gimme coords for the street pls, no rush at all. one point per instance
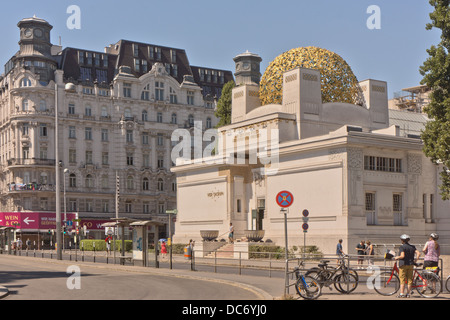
(38, 279)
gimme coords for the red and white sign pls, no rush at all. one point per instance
(31, 220)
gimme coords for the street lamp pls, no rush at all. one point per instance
(65, 205)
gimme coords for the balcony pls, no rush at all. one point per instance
(24, 187)
(31, 162)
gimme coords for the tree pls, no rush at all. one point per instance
(223, 111)
(436, 76)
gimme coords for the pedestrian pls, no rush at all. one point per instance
(408, 254)
(360, 251)
(370, 252)
(108, 244)
(163, 250)
(28, 244)
(231, 233)
(432, 251)
(339, 250)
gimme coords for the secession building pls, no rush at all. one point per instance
(357, 167)
(117, 110)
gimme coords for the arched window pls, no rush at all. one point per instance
(160, 184)
(145, 184)
(73, 181)
(25, 82)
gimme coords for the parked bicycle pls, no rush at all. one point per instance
(344, 279)
(447, 284)
(307, 287)
(426, 282)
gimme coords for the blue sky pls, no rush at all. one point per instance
(213, 32)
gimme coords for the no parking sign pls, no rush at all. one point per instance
(285, 199)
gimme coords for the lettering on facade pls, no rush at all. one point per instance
(214, 195)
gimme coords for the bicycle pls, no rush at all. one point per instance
(447, 284)
(344, 279)
(426, 282)
(307, 287)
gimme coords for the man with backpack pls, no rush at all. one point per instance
(407, 258)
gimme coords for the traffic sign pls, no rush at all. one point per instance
(305, 227)
(285, 199)
(305, 213)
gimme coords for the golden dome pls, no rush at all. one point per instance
(339, 84)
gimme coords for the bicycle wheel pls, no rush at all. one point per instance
(308, 288)
(345, 283)
(386, 283)
(318, 274)
(427, 284)
(447, 284)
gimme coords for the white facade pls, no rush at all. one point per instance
(359, 176)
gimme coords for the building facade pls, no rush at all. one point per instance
(357, 172)
(117, 110)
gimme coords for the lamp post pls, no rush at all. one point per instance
(58, 181)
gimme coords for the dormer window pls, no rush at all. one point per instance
(25, 82)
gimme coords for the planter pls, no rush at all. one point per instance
(209, 235)
(254, 235)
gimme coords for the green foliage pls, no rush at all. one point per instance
(436, 75)
(223, 111)
(100, 245)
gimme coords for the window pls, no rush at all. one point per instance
(159, 117)
(42, 106)
(397, 205)
(190, 97)
(25, 82)
(73, 205)
(161, 208)
(208, 123)
(145, 138)
(130, 182)
(160, 163)
(127, 114)
(72, 156)
(89, 58)
(160, 184)
(145, 95)
(97, 60)
(105, 135)
(128, 207)
(89, 181)
(373, 163)
(144, 116)
(145, 184)
(173, 96)
(146, 207)
(137, 65)
(130, 136)
(160, 139)
(88, 90)
(25, 105)
(85, 74)
(158, 53)
(71, 108)
(72, 132)
(105, 182)
(144, 66)
(105, 206)
(25, 153)
(191, 120)
(104, 112)
(105, 158)
(25, 129)
(80, 57)
(88, 133)
(88, 111)
(159, 91)
(370, 208)
(43, 153)
(146, 160)
(174, 118)
(43, 130)
(127, 90)
(238, 205)
(130, 159)
(88, 157)
(73, 181)
(135, 50)
(173, 55)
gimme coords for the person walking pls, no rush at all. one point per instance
(360, 251)
(163, 250)
(231, 233)
(408, 254)
(108, 244)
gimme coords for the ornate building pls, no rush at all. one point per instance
(359, 171)
(117, 110)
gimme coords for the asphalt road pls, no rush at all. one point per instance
(37, 279)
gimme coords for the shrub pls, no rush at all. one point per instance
(100, 245)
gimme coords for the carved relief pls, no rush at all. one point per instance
(355, 158)
(414, 164)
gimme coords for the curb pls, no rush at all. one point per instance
(3, 292)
